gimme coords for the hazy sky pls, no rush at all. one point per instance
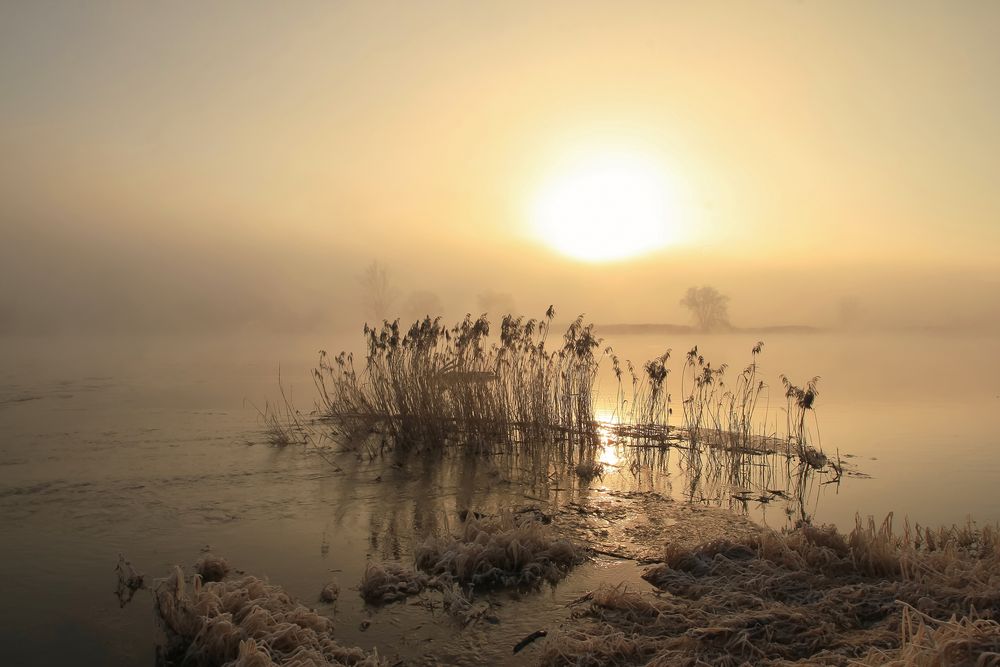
(155, 152)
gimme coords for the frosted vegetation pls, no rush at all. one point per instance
(808, 595)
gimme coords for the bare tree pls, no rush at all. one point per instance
(377, 291)
(709, 308)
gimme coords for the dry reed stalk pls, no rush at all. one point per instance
(282, 424)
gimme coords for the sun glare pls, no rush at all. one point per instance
(606, 208)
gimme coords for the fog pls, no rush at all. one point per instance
(134, 281)
(239, 171)
(202, 204)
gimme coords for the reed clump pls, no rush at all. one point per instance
(330, 592)
(246, 622)
(726, 413)
(504, 551)
(429, 387)
(800, 402)
(875, 596)
(278, 428)
(383, 583)
(281, 423)
(463, 608)
(508, 550)
(430, 384)
(387, 583)
(211, 567)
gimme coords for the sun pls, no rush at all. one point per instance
(606, 207)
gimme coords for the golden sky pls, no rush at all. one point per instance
(798, 133)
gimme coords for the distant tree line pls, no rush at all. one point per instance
(382, 301)
(708, 307)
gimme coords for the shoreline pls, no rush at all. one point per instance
(695, 584)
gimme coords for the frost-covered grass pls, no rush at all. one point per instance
(813, 595)
(504, 551)
(246, 622)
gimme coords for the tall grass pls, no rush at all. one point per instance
(280, 422)
(650, 406)
(800, 403)
(430, 386)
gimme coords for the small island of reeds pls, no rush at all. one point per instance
(432, 387)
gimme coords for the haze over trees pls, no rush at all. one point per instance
(495, 303)
(709, 308)
(381, 299)
(419, 304)
(377, 292)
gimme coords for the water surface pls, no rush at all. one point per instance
(147, 447)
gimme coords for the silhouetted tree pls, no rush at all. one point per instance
(420, 304)
(709, 308)
(377, 291)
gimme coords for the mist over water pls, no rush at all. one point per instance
(195, 201)
(99, 281)
(127, 361)
(145, 445)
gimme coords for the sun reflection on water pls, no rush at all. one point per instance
(610, 449)
(609, 455)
